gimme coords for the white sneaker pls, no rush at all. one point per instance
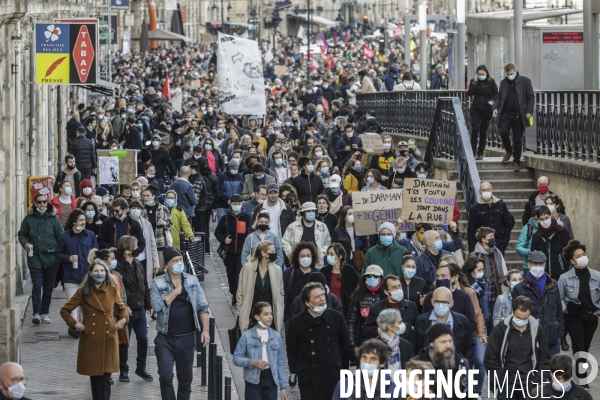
(46, 319)
(36, 319)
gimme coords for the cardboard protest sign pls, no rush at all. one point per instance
(429, 200)
(372, 143)
(206, 38)
(373, 208)
(195, 84)
(127, 164)
(280, 70)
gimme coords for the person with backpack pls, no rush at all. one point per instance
(407, 83)
(370, 124)
(492, 212)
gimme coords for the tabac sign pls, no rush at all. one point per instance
(66, 52)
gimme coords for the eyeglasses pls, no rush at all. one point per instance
(371, 276)
(41, 202)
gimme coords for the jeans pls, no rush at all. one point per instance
(581, 329)
(489, 325)
(514, 121)
(137, 322)
(70, 289)
(480, 120)
(221, 212)
(179, 351)
(266, 389)
(554, 348)
(100, 387)
(43, 285)
(178, 163)
(87, 173)
(479, 353)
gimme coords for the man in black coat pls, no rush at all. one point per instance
(517, 350)
(392, 288)
(72, 126)
(370, 124)
(84, 151)
(514, 105)
(119, 225)
(133, 137)
(492, 212)
(462, 331)
(161, 160)
(442, 352)
(317, 340)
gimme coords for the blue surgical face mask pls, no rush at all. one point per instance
(331, 260)
(372, 282)
(90, 214)
(402, 235)
(79, 228)
(409, 273)
(99, 278)
(511, 77)
(482, 77)
(310, 168)
(438, 245)
(422, 176)
(560, 387)
(135, 213)
(386, 240)
(236, 208)
(279, 161)
(370, 368)
(233, 171)
(113, 264)
(325, 170)
(150, 203)
(284, 148)
(309, 216)
(513, 284)
(335, 189)
(358, 168)
(170, 203)
(441, 310)
(479, 275)
(520, 322)
(178, 268)
(68, 190)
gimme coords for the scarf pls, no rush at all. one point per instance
(419, 247)
(493, 273)
(337, 204)
(547, 233)
(393, 343)
(477, 285)
(374, 290)
(540, 284)
(359, 177)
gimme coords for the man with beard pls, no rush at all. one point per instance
(442, 354)
(517, 350)
(460, 326)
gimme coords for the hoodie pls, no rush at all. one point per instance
(388, 258)
(83, 184)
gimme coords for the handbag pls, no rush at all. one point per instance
(222, 251)
(234, 336)
(358, 259)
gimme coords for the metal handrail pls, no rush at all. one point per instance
(449, 138)
(567, 123)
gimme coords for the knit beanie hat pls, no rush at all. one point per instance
(170, 253)
(387, 225)
(437, 330)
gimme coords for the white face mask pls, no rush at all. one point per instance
(305, 262)
(583, 261)
(486, 195)
(397, 295)
(552, 208)
(350, 219)
(546, 224)
(87, 191)
(537, 271)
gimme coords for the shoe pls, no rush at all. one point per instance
(293, 381)
(564, 346)
(144, 375)
(74, 333)
(516, 166)
(479, 157)
(46, 319)
(112, 382)
(506, 157)
(36, 319)
(585, 386)
(123, 377)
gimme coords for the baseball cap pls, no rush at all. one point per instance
(335, 181)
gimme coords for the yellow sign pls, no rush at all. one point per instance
(52, 68)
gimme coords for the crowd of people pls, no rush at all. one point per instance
(275, 191)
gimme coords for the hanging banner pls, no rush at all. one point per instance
(103, 29)
(240, 73)
(126, 41)
(119, 5)
(373, 208)
(368, 52)
(170, 5)
(429, 200)
(66, 52)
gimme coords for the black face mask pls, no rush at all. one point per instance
(272, 257)
(263, 227)
(403, 153)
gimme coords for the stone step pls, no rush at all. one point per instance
(493, 174)
(516, 193)
(462, 225)
(514, 264)
(524, 183)
(494, 163)
(517, 204)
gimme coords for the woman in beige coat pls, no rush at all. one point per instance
(261, 280)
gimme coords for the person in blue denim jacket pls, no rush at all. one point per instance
(260, 352)
(181, 309)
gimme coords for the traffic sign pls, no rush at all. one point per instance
(66, 52)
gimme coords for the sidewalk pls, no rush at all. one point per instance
(49, 355)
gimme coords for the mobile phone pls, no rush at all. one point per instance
(531, 121)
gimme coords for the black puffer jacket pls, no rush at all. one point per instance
(211, 183)
(359, 311)
(482, 92)
(370, 125)
(162, 161)
(308, 187)
(85, 153)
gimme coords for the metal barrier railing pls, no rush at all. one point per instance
(449, 138)
(567, 123)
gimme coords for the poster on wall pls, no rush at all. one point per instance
(119, 5)
(126, 41)
(170, 5)
(39, 185)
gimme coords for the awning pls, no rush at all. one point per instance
(319, 21)
(102, 87)
(159, 34)
(250, 27)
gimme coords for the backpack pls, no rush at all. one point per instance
(409, 88)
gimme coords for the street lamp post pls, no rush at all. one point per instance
(222, 18)
(308, 11)
(423, 44)
(459, 71)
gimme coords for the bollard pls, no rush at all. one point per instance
(203, 365)
(227, 388)
(211, 329)
(212, 372)
(219, 378)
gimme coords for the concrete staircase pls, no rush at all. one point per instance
(514, 188)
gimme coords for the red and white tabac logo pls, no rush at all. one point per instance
(83, 53)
